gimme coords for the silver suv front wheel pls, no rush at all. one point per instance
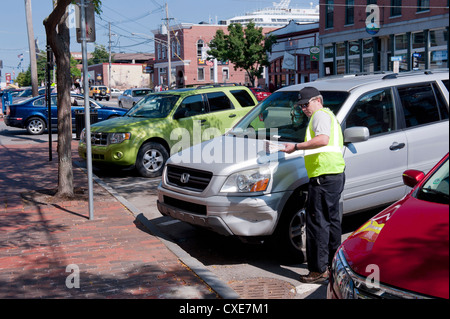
(291, 230)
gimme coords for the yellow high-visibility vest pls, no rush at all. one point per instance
(326, 159)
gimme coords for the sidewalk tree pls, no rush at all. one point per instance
(58, 37)
(246, 48)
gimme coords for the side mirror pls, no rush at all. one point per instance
(356, 134)
(412, 177)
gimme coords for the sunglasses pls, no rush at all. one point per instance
(305, 105)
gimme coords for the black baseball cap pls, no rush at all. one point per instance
(306, 94)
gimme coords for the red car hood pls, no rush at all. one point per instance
(409, 242)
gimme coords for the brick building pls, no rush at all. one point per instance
(371, 35)
(189, 43)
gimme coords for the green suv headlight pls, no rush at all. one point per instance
(117, 138)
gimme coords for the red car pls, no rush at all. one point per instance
(402, 252)
(260, 94)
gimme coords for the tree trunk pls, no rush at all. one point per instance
(58, 37)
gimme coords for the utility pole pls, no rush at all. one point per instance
(32, 48)
(169, 75)
(109, 71)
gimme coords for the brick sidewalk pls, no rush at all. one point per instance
(40, 237)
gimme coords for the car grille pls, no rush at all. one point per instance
(186, 178)
(186, 206)
(99, 139)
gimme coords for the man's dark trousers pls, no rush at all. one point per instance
(323, 220)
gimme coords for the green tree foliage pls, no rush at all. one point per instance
(246, 48)
(24, 78)
(100, 55)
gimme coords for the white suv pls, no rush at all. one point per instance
(231, 185)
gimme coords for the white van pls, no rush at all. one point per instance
(231, 185)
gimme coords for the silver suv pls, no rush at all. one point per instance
(391, 122)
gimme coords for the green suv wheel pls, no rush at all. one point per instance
(151, 159)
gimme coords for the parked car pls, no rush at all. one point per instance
(32, 114)
(165, 122)
(99, 92)
(27, 93)
(130, 97)
(403, 252)
(260, 93)
(116, 92)
(391, 122)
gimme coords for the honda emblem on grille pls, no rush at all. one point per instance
(184, 178)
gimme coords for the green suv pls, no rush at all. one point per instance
(164, 123)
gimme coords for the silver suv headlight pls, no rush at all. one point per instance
(117, 138)
(253, 180)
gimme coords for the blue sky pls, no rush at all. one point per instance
(132, 16)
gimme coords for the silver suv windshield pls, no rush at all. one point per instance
(154, 106)
(280, 118)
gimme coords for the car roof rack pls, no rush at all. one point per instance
(213, 85)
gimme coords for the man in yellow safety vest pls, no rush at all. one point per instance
(325, 167)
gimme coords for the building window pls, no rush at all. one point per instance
(438, 37)
(349, 12)
(174, 49)
(401, 42)
(354, 57)
(164, 52)
(371, 2)
(201, 74)
(423, 5)
(396, 8)
(159, 51)
(200, 44)
(225, 75)
(418, 40)
(329, 13)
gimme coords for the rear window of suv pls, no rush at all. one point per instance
(422, 104)
(243, 98)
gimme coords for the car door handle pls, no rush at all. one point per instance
(232, 115)
(396, 146)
